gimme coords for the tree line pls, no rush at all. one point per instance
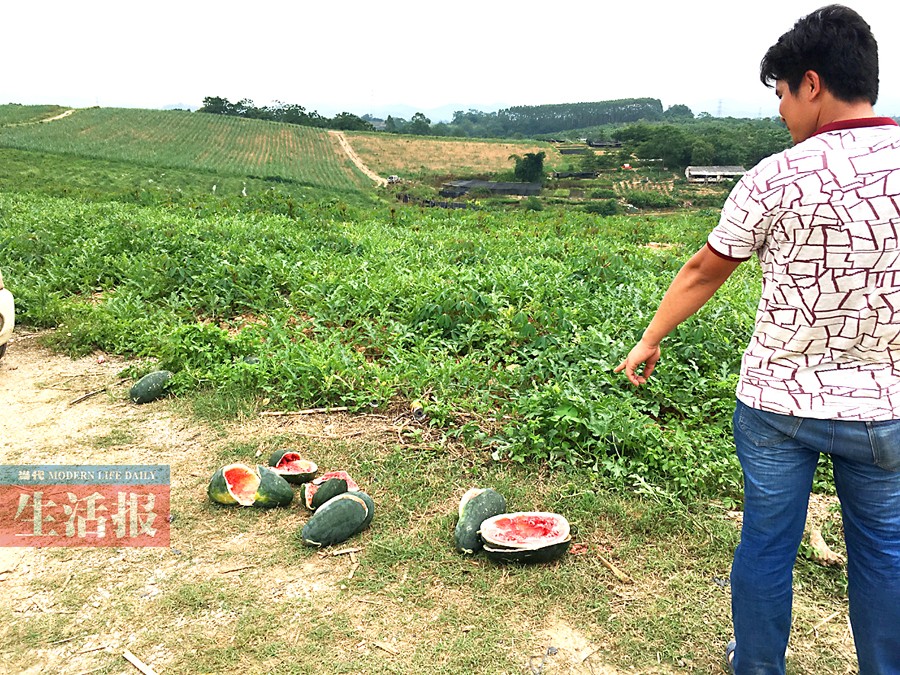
(289, 113)
(515, 122)
(641, 127)
(528, 121)
(706, 141)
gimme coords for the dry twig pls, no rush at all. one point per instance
(815, 629)
(137, 663)
(237, 569)
(86, 396)
(619, 574)
(308, 411)
(387, 648)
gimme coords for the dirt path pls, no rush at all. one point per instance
(60, 116)
(356, 159)
(66, 113)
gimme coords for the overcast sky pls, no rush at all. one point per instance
(371, 56)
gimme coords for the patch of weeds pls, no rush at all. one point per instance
(115, 437)
(37, 631)
(216, 407)
(197, 597)
(241, 451)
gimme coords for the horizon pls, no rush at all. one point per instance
(358, 58)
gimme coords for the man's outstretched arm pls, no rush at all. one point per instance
(694, 284)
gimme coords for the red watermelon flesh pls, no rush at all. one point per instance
(351, 484)
(292, 462)
(527, 529)
(309, 489)
(242, 483)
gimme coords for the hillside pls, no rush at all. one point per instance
(186, 140)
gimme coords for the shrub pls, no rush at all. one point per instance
(606, 207)
(649, 200)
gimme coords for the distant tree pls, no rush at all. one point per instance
(667, 142)
(244, 108)
(530, 167)
(419, 125)
(703, 153)
(216, 105)
(349, 122)
(390, 125)
(594, 161)
(441, 129)
(678, 112)
(291, 113)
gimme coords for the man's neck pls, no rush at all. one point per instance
(836, 110)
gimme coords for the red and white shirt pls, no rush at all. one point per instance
(823, 217)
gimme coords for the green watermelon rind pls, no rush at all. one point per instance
(308, 491)
(477, 505)
(329, 489)
(527, 556)
(150, 387)
(335, 521)
(272, 491)
(293, 477)
(370, 504)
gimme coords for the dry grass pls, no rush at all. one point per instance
(404, 155)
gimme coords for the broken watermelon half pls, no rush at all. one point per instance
(291, 466)
(247, 485)
(328, 485)
(525, 537)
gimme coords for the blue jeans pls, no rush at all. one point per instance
(778, 455)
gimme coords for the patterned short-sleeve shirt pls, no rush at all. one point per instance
(823, 217)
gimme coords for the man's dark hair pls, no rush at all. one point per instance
(835, 42)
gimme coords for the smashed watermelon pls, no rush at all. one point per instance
(247, 485)
(339, 519)
(328, 485)
(291, 466)
(525, 537)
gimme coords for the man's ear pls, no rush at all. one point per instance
(811, 85)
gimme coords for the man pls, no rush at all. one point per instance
(822, 370)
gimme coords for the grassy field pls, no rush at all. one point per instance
(506, 324)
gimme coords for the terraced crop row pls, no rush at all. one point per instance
(182, 139)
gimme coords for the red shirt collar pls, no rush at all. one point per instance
(841, 125)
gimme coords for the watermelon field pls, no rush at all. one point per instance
(316, 313)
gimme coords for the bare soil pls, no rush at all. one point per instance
(46, 419)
